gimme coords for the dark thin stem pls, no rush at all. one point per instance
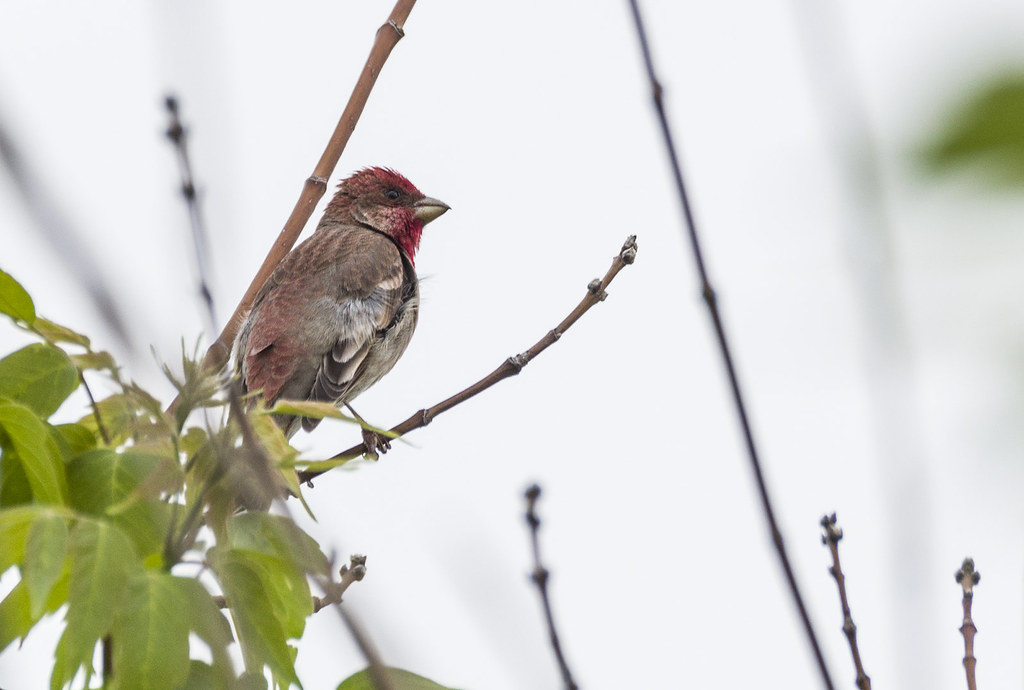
(833, 533)
(540, 578)
(177, 134)
(107, 648)
(510, 367)
(709, 297)
(95, 408)
(968, 577)
(376, 668)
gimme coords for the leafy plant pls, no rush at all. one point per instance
(132, 522)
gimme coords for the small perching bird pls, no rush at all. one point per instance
(339, 310)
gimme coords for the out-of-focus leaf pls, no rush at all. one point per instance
(272, 438)
(987, 133)
(118, 413)
(56, 333)
(14, 300)
(39, 376)
(102, 561)
(279, 537)
(208, 622)
(14, 487)
(192, 440)
(15, 524)
(45, 551)
(16, 619)
(321, 465)
(151, 633)
(308, 408)
(15, 615)
(28, 439)
(76, 437)
(200, 677)
(199, 387)
(106, 483)
(281, 454)
(400, 680)
(94, 360)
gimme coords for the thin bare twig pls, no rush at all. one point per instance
(833, 533)
(596, 292)
(968, 577)
(315, 185)
(177, 134)
(540, 578)
(723, 344)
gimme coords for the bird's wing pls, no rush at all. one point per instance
(315, 320)
(363, 319)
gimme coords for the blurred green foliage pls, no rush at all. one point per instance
(985, 134)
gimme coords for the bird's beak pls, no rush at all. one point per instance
(427, 209)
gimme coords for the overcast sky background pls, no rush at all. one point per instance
(879, 338)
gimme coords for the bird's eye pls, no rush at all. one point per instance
(392, 194)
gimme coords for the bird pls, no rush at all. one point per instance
(340, 309)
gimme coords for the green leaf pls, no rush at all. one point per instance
(119, 418)
(94, 360)
(308, 408)
(15, 524)
(16, 619)
(151, 633)
(106, 483)
(279, 537)
(76, 437)
(201, 676)
(39, 376)
(28, 441)
(45, 552)
(14, 301)
(987, 131)
(15, 615)
(102, 561)
(256, 608)
(56, 333)
(14, 487)
(208, 622)
(400, 680)
(262, 568)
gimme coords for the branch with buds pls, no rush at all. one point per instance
(967, 577)
(353, 571)
(596, 292)
(540, 578)
(833, 533)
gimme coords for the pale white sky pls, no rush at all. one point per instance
(532, 121)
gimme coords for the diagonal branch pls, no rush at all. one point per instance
(723, 345)
(315, 185)
(510, 367)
